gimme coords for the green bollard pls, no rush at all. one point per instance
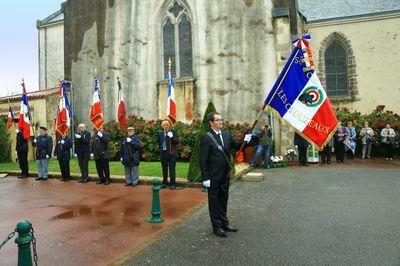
(155, 210)
(24, 243)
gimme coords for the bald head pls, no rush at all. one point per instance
(166, 125)
(82, 127)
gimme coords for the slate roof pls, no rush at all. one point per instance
(56, 17)
(315, 10)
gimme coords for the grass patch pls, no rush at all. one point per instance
(116, 168)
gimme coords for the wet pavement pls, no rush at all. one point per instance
(341, 214)
(87, 224)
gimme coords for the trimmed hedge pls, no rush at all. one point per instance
(5, 142)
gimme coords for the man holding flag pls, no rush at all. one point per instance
(23, 133)
(64, 143)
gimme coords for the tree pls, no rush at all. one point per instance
(5, 142)
(194, 166)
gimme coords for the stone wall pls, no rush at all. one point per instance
(51, 55)
(371, 43)
(233, 54)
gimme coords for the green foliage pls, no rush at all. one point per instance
(194, 166)
(5, 142)
(377, 120)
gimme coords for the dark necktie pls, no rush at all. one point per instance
(220, 139)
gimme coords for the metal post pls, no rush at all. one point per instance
(155, 210)
(24, 243)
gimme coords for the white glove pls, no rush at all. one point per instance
(76, 155)
(62, 141)
(247, 138)
(16, 153)
(91, 155)
(128, 140)
(35, 140)
(47, 157)
(207, 183)
(100, 134)
(78, 136)
(169, 134)
(17, 130)
(121, 159)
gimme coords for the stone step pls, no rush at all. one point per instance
(253, 177)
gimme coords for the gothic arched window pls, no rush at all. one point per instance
(336, 70)
(177, 40)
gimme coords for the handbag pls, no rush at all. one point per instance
(371, 139)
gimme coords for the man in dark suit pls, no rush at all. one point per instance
(215, 167)
(167, 141)
(63, 154)
(82, 150)
(21, 149)
(44, 147)
(101, 154)
(302, 145)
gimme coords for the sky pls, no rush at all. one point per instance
(19, 42)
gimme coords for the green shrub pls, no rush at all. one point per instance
(5, 142)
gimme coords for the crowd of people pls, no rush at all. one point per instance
(343, 142)
(96, 147)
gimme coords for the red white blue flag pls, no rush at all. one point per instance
(96, 113)
(10, 118)
(24, 117)
(171, 106)
(299, 98)
(121, 110)
(64, 114)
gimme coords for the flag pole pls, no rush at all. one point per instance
(266, 105)
(31, 123)
(169, 76)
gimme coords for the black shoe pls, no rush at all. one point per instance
(85, 181)
(229, 228)
(99, 182)
(163, 186)
(81, 180)
(44, 179)
(66, 179)
(220, 232)
(172, 187)
(62, 179)
(38, 178)
(127, 185)
(106, 183)
(20, 176)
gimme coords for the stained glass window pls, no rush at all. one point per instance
(169, 44)
(185, 48)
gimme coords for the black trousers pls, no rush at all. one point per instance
(23, 163)
(218, 193)
(103, 170)
(168, 162)
(64, 168)
(388, 150)
(326, 155)
(340, 151)
(83, 161)
(302, 155)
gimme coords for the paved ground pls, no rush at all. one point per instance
(345, 214)
(86, 224)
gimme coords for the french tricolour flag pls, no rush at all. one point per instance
(63, 121)
(24, 123)
(171, 106)
(299, 98)
(96, 113)
(121, 110)
(10, 117)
